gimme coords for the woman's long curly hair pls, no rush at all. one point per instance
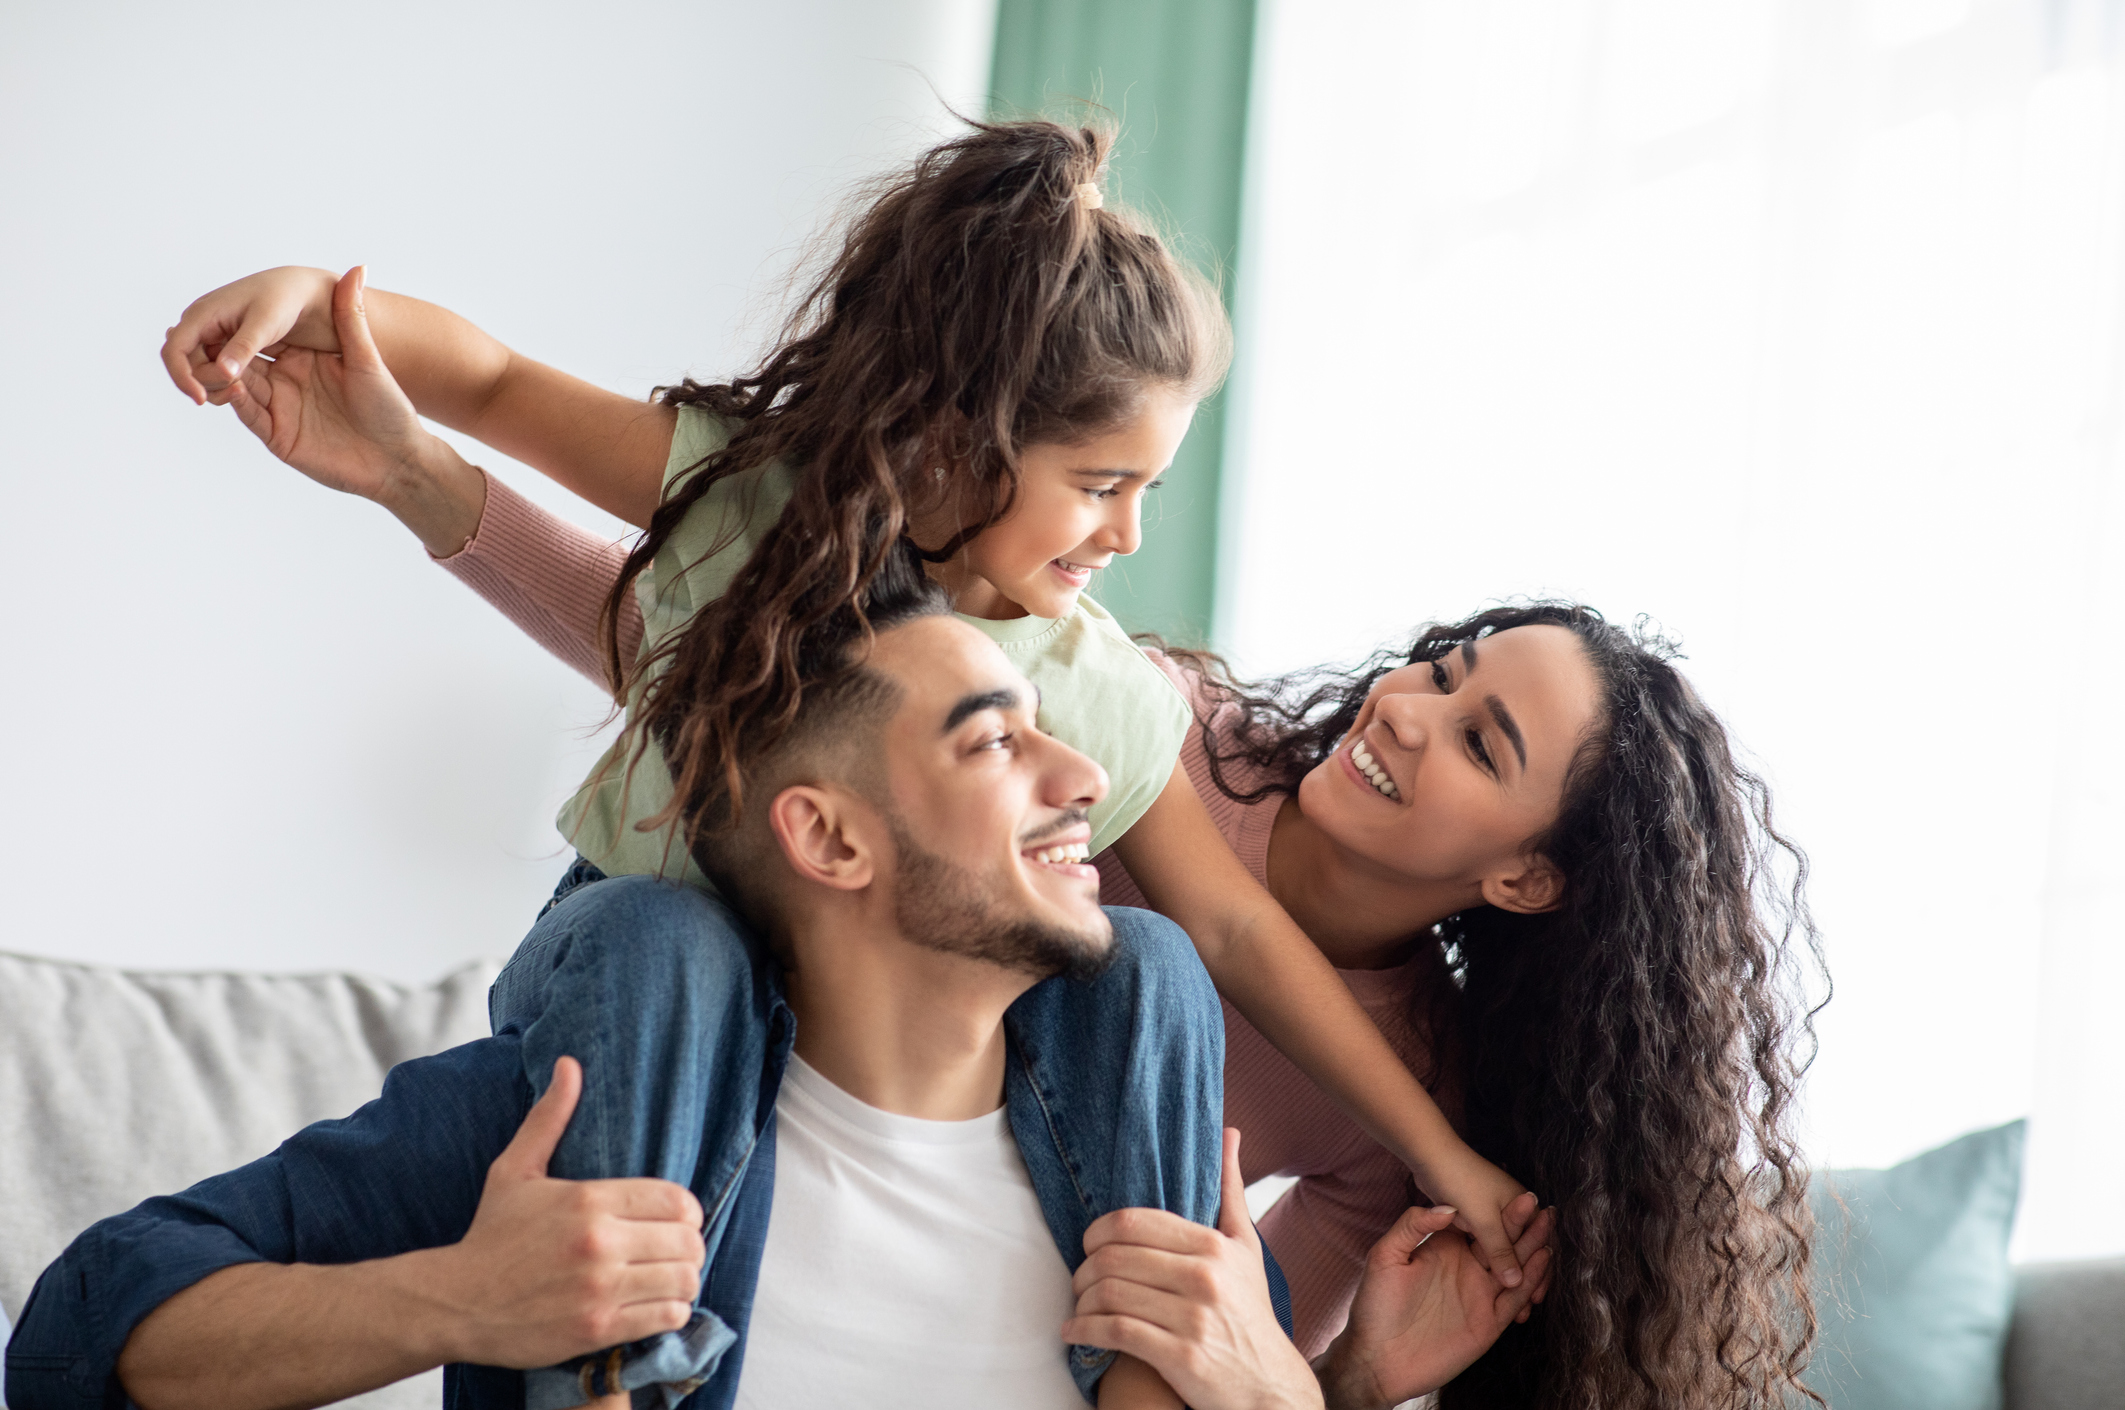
(1634, 1054)
(981, 301)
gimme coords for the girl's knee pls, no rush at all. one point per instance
(1159, 957)
(661, 931)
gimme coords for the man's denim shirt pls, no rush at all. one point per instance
(405, 1172)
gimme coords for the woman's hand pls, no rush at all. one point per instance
(264, 313)
(1191, 1303)
(1426, 1308)
(341, 419)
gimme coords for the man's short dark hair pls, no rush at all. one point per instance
(840, 705)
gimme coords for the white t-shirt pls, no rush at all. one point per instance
(907, 1265)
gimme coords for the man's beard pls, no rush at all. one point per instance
(941, 905)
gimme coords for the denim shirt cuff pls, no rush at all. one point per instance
(86, 1305)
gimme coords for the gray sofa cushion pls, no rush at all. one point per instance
(2066, 1348)
(116, 1085)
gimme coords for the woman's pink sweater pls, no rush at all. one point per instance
(551, 578)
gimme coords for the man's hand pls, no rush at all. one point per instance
(554, 1268)
(548, 1270)
(214, 340)
(1192, 1303)
(1427, 1307)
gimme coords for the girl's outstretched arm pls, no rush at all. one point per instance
(608, 448)
(1274, 975)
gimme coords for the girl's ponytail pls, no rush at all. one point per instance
(983, 300)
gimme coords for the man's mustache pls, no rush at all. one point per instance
(1064, 821)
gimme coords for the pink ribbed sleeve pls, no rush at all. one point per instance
(1350, 1190)
(548, 576)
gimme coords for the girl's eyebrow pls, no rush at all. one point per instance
(1113, 474)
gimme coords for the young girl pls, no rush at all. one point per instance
(996, 366)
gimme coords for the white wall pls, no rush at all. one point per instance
(242, 721)
(1796, 326)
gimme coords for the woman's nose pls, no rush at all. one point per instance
(1407, 716)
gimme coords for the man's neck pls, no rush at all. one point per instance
(897, 1026)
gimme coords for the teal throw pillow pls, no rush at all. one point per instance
(1913, 1291)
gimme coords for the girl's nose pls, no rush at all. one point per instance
(1121, 531)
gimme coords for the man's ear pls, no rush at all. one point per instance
(821, 837)
(1529, 887)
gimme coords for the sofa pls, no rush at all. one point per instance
(117, 1085)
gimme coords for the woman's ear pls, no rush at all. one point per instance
(1533, 885)
(820, 839)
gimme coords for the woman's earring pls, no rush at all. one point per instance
(938, 474)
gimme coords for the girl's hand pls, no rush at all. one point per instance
(1425, 1309)
(264, 313)
(1490, 1206)
(341, 419)
(1191, 1303)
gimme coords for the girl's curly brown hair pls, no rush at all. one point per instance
(982, 300)
(1633, 1055)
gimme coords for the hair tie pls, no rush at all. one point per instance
(1090, 196)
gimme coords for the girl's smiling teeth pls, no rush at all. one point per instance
(1076, 572)
(1370, 767)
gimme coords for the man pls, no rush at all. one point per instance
(900, 1232)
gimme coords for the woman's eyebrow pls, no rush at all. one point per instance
(1113, 474)
(1509, 725)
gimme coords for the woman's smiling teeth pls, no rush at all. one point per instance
(1061, 854)
(1370, 767)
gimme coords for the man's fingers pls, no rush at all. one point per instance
(646, 1319)
(1129, 1335)
(1233, 1220)
(648, 1199)
(534, 1142)
(1153, 1228)
(630, 1241)
(657, 1282)
(1153, 1267)
(1123, 1298)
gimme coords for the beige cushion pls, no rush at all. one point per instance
(117, 1085)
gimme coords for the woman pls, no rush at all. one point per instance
(1528, 848)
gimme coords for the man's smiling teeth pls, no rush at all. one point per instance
(1367, 766)
(1062, 852)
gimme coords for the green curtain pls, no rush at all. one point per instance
(1175, 74)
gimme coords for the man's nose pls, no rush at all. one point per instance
(1069, 779)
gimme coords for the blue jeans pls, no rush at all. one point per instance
(1115, 1088)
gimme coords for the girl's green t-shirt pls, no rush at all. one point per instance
(1099, 693)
